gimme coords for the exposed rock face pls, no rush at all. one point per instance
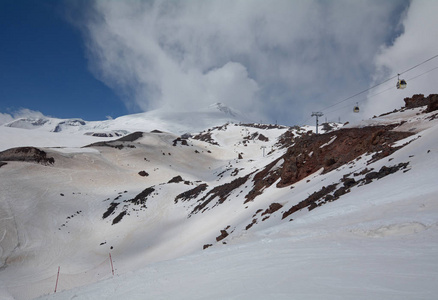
(328, 151)
(433, 103)
(205, 137)
(419, 100)
(176, 179)
(332, 150)
(333, 192)
(131, 137)
(272, 208)
(191, 194)
(221, 192)
(223, 235)
(30, 154)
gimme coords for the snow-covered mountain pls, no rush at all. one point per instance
(161, 119)
(237, 211)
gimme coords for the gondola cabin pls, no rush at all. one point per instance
(356, 109)
(401, 83)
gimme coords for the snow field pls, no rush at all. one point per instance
(377, 241)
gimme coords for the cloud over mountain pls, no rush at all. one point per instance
(276, 59)
(413, 46)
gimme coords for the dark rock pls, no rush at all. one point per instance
(205, 137)
(417, 100)
(110, 210)
(263, 138)
(433, 103)
(223, 235)
(191, 194)
(206, 246)
(339, 192)
(222, 192)
(143, 173)
(254, 221)
(349, 182)
(272, 208)
(349, 144)
(142, 197)
(176, 179)
(131, 137)
(181, 141)
(311, 201)
(119, 217)
(27, 154)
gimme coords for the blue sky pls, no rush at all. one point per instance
(43, 65)
(276, 60)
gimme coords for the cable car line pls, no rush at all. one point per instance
(376, 85)
(419, 64)
(376, 94)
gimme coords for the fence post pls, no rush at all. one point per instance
(111, 260)
(57, 277)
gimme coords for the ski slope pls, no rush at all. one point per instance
(377, 241)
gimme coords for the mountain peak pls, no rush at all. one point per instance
(223, 108)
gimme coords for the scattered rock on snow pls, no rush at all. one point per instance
(143, 173)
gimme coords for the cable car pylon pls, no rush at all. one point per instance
(317, 114)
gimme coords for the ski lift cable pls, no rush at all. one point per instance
(413, 78)
(376, 85)
(418, 64)
(348, 105)
(388, 89)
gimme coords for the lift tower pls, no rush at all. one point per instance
(317, 114)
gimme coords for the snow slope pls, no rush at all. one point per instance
(192, 120)
(379, 240)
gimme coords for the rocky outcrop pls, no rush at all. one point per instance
(326, 152)
(433, 103)
(176, 179)
(28, 154)
(191, 194)
(131, 137)
(419, 100)
(333, 192)
(332, 150)
(220, 192)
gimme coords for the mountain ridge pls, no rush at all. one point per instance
(155, 199)
(160, 119)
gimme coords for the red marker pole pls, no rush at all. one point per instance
(111, 260)
(57, 277)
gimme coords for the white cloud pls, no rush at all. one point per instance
(280, 59)
(20, 113)
(27, 113)
(415, 45)
(5, 118)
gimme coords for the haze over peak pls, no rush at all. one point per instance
(164, 119)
